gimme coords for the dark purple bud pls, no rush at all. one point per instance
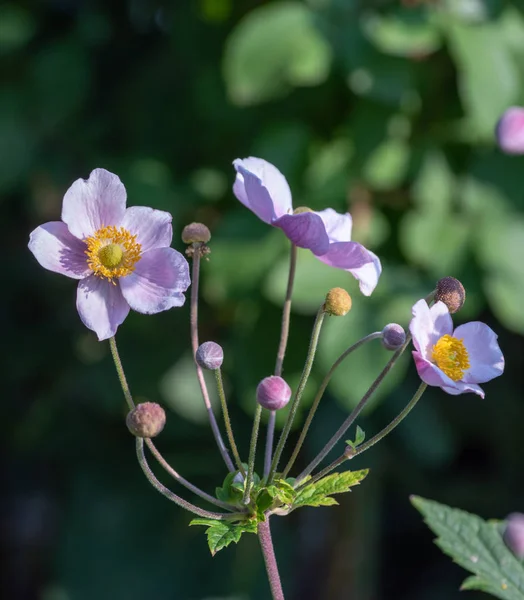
(146, 420)
(338, 302)
(196, 232)
(451, 292)
(514, 534)
(273, 393)
(393, 336)
(510, 131)
(210, 355)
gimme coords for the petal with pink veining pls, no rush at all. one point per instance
(101, 306)
(94, 203)
(152, 227)
(158, 282)
(57, 250)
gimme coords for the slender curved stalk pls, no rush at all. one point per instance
(227, 421)
(120, 373)
(173, 497)
(320, 393)
(194, 343)
(252, 453)
(187, 484)
(284, 334)
(266, 543)
(298, 395)
(354, 414)
(396, 421)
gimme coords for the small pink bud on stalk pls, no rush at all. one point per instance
(146, 420)
(210, 355)
(451, 292)
(393, 336)
(514, 534)
(273, 393)
(338, 302)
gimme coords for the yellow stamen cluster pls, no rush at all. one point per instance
(112, 252)
(451, 357)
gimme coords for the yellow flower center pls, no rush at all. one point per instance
(301, 209)
(451, 357)
(112, 252)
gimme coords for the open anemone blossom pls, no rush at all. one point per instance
(262, 188)
(455, 360)
(121, 256)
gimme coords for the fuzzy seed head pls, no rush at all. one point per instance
(273, 393)
(393, 336)
(210, 355)
(146, 420)
(338, 302)
(514, 534)
(451, 292)
(196, 232)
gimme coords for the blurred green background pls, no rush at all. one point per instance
(385, 108)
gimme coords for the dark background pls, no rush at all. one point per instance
(383, 108)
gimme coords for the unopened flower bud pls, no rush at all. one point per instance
(514, 534)
(196, 232)
(451, 292)
(210, 355)
(273, 393)
(338, 302)
(393, 336)
(510, 131)
(146, 420)
(238, 478)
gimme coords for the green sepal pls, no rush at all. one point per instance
(319, 493)
(222, 533)
(477, 546)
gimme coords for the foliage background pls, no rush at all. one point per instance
(383, 107)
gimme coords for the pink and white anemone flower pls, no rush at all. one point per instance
(510, 131)
(262, 188)
(455, 360)
(120, 255)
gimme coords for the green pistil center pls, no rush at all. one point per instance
(111, 255)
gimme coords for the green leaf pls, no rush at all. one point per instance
(273, 49)
(222, 533)
(387, 166)
(477, 546)
(318, 494)
(360, 436)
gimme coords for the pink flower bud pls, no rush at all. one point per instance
(514, 534)
(273, 393)
(510, 131)
(146, 420)
(393, 336)
(210, 355)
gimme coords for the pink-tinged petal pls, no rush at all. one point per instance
(485, 355)
(57, 250)
(338, 226)
(101, 306)
(510, 131)
(431, 374)
(152, 227)
(305, 230)
(429, 325)
(94, 203)
(357, 260)
(262, 188)
(464, 388)
(158, 281)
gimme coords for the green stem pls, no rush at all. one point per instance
(396, 421)
(298, 395)
(252, 453)
(227, 421)
(284, 334)
(194, 343)
(320, 393)
(354, 414)
(173, 497)
(121, 374)
(187, 484)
